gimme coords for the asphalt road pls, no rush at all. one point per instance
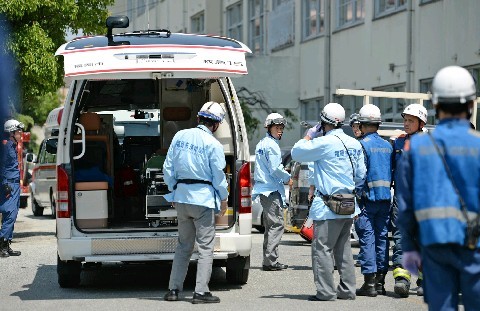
(29, 282)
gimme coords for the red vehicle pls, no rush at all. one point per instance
(23, 160)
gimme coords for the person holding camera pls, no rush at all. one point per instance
(438, 193)
(10, 189)
(339, 168)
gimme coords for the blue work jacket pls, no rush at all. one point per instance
(9, 168)
(270, 175)
(378, 153)
(429, 208)
(196, 154)
(333, 172)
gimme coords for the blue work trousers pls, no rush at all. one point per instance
(396, 236)
(372, 229)
(450, 269)
(9, 209)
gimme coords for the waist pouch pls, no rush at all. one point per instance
(341, 204)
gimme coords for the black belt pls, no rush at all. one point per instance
(192, 181)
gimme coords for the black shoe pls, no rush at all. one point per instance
(205, 298)
(275, 267)
(172, 295)
(402, 287)
(4, 248)
(11, 252)
(368, 287)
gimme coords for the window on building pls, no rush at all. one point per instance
(313, 18)
(384, 7)
(391, 108)
(256, 28)
(141, 5)
(310, 111)
(281, 26)
(276, 3)
(351, 104)
(198, 23)
(349, 12)
(235, 21)
(130, 10)
(426, 87)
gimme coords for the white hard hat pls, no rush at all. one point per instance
(416, 110)
(354, 119)
(333, 113)
(213, 111)
(12, 125)
(370, 114)
(453, 84)
(275, 118)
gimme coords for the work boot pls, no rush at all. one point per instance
(380, 283)
(172, 295)
(205, 298)
(11, 252)
(368, 287)
(420, 284)
(4, 248)
(402, 282)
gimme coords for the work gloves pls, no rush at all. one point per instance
(412, 261)
(315, 131)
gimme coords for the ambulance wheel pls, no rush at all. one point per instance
(37, 210)
(237, 270)
(68, 273)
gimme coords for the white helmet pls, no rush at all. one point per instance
(354, 119)
(213, 111)
(416, 110)
(333, 113)
(453, 84)
(370, 114)
(274, 118)
(12, 125)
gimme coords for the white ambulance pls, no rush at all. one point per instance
(109, 193)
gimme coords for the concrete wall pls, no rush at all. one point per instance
(445, 32)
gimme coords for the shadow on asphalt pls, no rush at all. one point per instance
(145, 281)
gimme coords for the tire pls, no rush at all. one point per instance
(53, 206)
(237, 270)
(68, 273)
(37, 210)
(23, 201)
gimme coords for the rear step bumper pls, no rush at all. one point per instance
(147, 257)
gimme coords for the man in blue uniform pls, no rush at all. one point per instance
(339, 168)
(10, 188)
(193, 172)
(414, 119)
(372, 223)
(438, 194)
(270, 175)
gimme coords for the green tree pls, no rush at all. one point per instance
(38, 28)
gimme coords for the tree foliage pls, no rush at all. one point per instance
(248, 100)
(38, 28)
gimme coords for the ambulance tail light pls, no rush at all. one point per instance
(63, 205)
(245, 189)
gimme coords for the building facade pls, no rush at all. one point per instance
(303, 50)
